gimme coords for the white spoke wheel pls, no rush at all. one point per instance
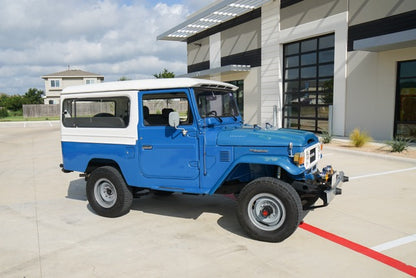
(269, 209)
(108, 193)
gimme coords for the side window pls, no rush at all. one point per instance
(96, 112)
(156, 108)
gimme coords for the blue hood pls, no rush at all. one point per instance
(265, 137)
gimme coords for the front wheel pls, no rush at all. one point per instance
(108, 193)
(269, 209)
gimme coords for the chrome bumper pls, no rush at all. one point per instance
(335, 190)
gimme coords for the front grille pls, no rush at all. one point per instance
(225, 156)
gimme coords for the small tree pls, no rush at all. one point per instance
(14, 103)
(33, 96)
(123, 78)
(164, 74)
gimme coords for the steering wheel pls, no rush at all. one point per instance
(213, 113)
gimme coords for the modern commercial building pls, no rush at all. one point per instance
(320, 64)
(56, 82)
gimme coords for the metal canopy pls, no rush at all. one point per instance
(216, 71)
(218, 13)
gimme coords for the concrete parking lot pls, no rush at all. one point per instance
(48, 229)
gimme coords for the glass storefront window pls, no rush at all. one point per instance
(405, 119)
(308, 83)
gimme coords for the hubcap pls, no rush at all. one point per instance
(266, 212)
(105, 193)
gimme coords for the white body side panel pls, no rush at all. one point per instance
(125, 136)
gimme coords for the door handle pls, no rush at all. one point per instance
(147, 147)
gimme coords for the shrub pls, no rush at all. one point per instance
(3, 112)
(326, 137)
(358, 138)
(398, 144)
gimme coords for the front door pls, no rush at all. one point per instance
(168, 159)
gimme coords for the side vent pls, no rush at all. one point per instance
(225, 156)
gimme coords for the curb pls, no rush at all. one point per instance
(377, 155)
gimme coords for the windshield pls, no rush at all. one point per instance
(216, 103)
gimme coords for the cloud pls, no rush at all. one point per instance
(110, 37)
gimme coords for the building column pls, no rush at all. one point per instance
(271, 72)
(215, 54)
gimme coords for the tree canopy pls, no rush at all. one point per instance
(15, 102)
(164, 74)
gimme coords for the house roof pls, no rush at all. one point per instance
(215, 14)
(147, 84)
(72, 73)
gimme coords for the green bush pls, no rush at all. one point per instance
(398, 144)
(3, 112)
(326, 137)
(358, 138)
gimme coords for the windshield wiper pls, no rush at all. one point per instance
(230, 114)
(214, 114)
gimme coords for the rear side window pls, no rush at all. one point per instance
(111, 112)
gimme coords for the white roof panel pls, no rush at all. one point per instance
(146, 84)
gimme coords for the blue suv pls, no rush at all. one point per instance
(187, 135)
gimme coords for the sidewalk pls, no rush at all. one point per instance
(375, 148)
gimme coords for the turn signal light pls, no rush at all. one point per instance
(299, 158)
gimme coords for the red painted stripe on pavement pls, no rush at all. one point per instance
(408, 269)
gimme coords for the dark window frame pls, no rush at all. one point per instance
(304, 101)
(397, 120)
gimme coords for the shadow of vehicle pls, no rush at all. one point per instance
(176, 205)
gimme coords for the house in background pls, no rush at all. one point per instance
(316, 64)
(56, 82)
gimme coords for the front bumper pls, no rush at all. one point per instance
(328, 195)
(325, 186)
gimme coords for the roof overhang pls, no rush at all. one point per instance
(390, 41)
(215, 14)
(220, 70)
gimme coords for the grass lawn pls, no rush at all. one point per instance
(21, 118)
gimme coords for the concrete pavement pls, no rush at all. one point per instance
(48, 229)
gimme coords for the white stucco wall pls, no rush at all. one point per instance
(371, 90)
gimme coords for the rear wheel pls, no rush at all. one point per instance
(108, 193)
(269, 209)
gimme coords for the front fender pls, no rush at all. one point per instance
(281, 161)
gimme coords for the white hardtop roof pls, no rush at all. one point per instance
(147, 84)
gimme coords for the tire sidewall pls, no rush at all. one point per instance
(124, 196)
(285, 194)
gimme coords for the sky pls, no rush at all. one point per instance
(108, 37)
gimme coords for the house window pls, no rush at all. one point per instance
(55, 83)
(90, 81)
(308, 83)
(405, 119)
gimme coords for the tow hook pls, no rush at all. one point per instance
(338, 191)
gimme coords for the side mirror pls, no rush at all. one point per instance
(174, 122)
(174, 119)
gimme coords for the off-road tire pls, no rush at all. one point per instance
(108, 193)
(269, 209)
